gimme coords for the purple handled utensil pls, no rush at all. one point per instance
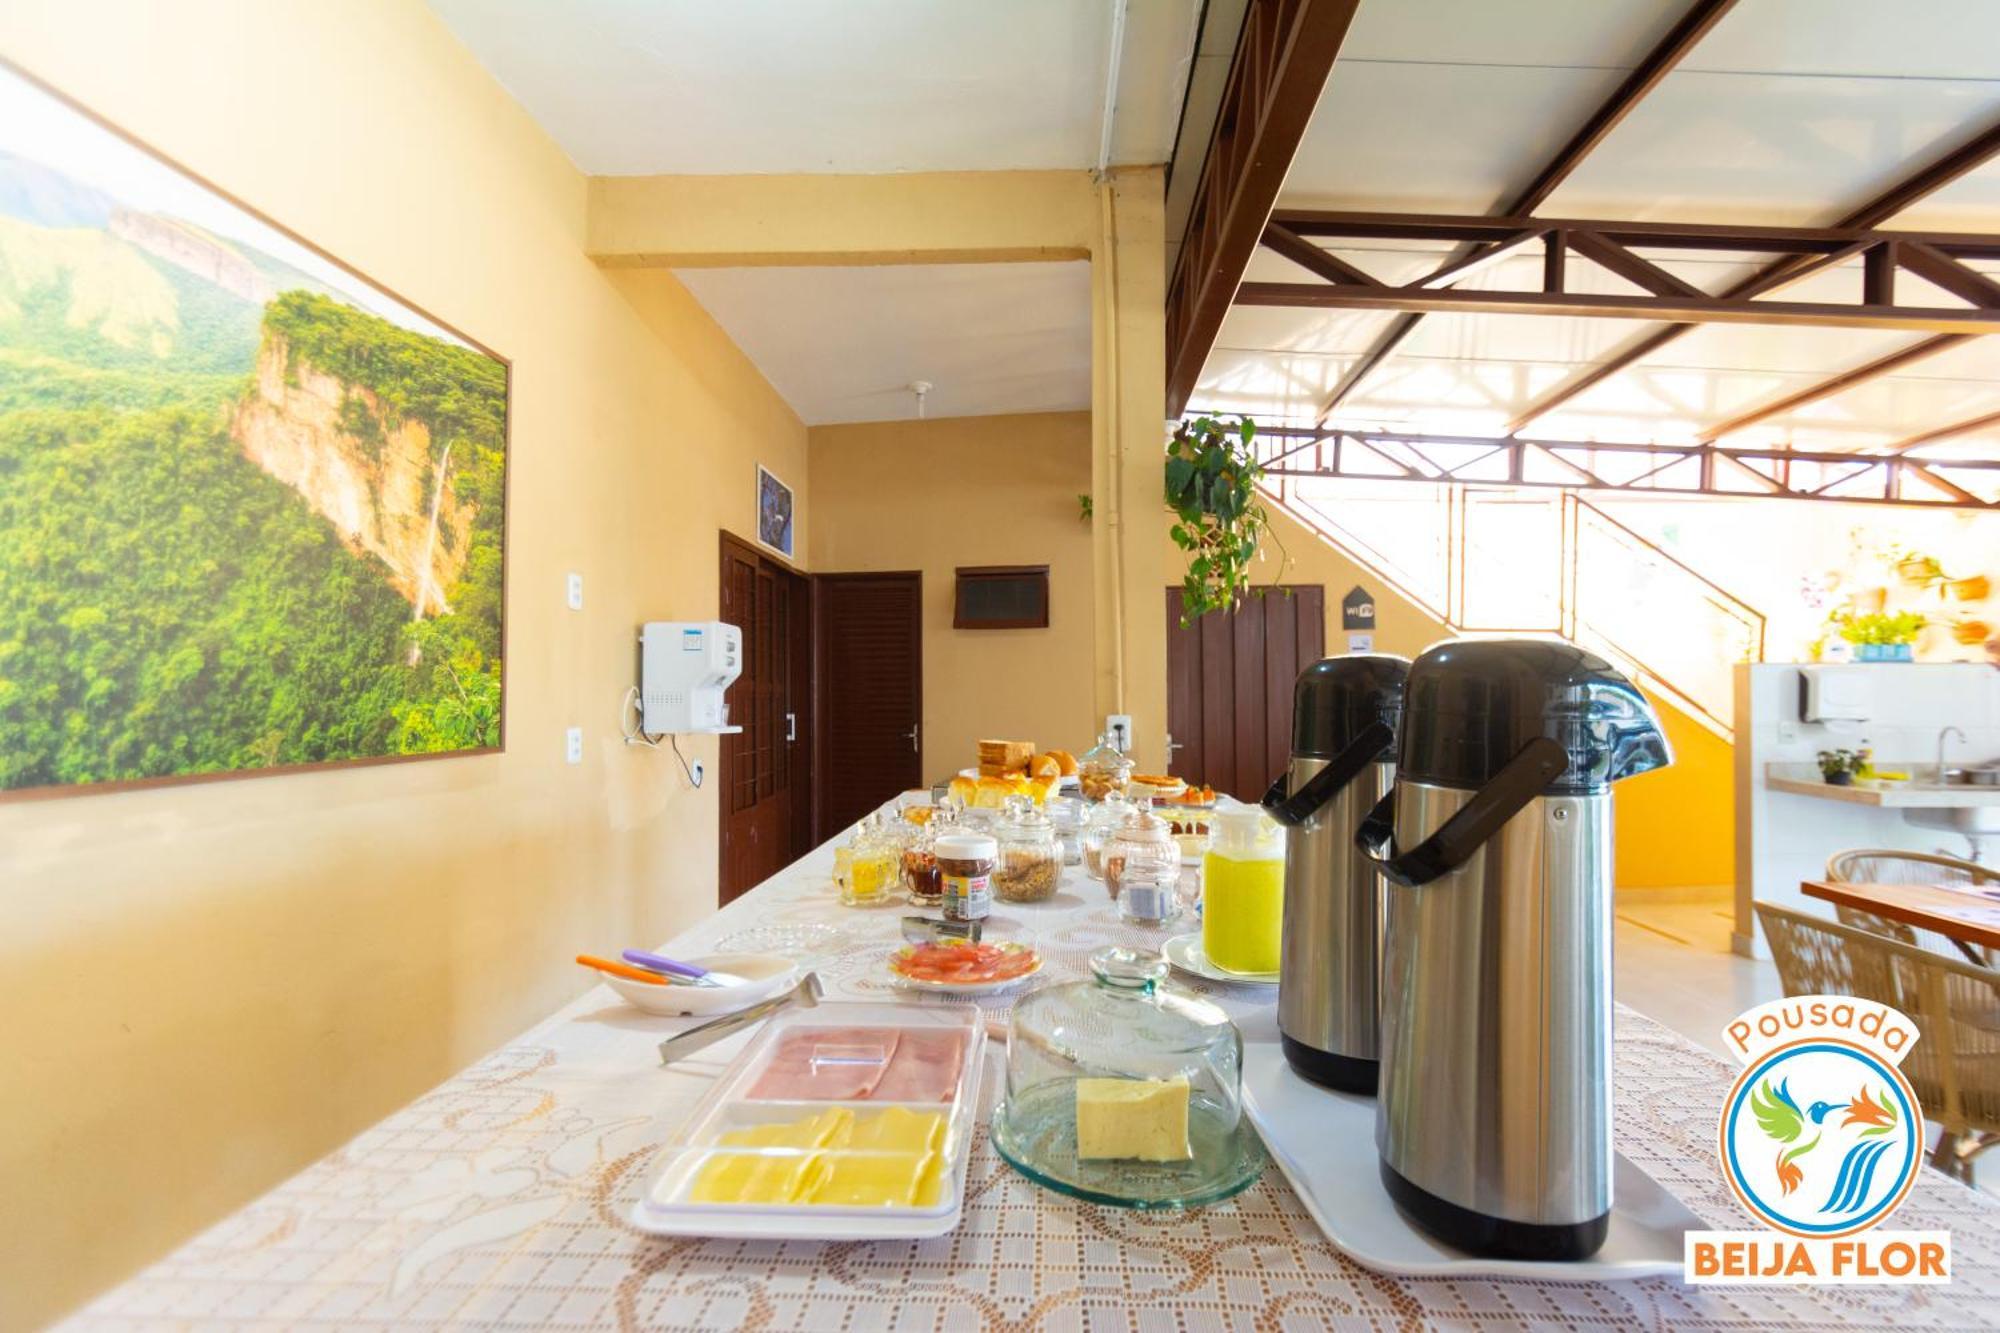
(688, 972)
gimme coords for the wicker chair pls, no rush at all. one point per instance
(1955, 1065)
(1873, 865)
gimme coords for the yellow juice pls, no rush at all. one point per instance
(1243, 911)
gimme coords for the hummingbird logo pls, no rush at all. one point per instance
(1778, 1115)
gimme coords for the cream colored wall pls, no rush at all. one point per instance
(935, 495)
(207, 987)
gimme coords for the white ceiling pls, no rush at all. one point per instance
(1789, 111)
(844, 344)
(638, 87)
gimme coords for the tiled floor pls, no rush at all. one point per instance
(1672, 963)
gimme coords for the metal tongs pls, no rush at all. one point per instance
(807, 994)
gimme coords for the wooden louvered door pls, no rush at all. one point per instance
(1229, 686)
(764, 768)
(869, 668)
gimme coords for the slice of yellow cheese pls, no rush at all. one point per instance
(759, 1177)
(898, 1129)
(828, 1129)
(873, 1180)
(890, 1158)
(1145, 1119)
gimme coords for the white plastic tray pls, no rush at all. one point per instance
(1324, 1142)
(664, 1209)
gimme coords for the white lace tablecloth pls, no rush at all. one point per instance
(499, 1201)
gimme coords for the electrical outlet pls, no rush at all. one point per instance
(573, 745)
(1119, 725)
(696, 771)
(575, 595)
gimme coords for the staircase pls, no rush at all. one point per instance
(1497, 561)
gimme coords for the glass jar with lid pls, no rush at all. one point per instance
(1030, 862)
(1103, 770)
(1100, 822)
(1123, 1090)
(1066, 817)
(866, 874)
(1141, 838)
(922, 883)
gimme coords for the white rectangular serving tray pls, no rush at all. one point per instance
(661, 1209)
(1324, 1142)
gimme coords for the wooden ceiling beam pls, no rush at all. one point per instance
(1283, 56)
(1669, 51)
(1919, 184)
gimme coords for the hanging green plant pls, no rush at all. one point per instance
(1212, 477)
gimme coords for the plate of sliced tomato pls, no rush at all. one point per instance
(961, 967)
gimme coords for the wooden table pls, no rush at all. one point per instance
(1917, 905)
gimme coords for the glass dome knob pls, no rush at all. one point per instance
(1128, 969)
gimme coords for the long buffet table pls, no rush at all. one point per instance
(499, 1200)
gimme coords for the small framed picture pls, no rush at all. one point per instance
(774, 512)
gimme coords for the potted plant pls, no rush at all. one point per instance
(1916, 569)
(1838, 767)
(1880, 636)
(1211, 485)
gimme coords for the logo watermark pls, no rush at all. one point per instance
(1821, 1138)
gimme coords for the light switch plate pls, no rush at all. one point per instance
(573, 745)
(576, 592)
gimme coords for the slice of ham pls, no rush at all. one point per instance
(827, 1065)
(925, 1068)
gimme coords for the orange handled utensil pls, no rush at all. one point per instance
(620, 970)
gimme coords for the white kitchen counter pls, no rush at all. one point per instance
(1804, 780)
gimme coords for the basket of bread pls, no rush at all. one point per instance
(1012, 768)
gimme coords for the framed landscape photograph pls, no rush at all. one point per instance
(774, 513)
(252, 506)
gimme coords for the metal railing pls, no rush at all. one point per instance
(1502, 561)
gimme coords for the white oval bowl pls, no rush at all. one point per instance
(765, 975)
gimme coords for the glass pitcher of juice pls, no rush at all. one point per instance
(1243, 889)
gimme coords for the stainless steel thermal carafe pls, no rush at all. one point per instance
(1344, 715)
(1494, 1115)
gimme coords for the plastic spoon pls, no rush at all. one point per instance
(700, 976)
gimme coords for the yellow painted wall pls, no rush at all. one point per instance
(1676, 826)
(208, 987)
(939, 217)
(935, 495)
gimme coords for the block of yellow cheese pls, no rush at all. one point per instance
(1140, 1118)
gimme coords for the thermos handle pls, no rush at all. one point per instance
(1299, 806)
(1524, 777)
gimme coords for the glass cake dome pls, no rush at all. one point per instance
(1122, 1090)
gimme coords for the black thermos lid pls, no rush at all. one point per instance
(1472, 704)
(1337, 697)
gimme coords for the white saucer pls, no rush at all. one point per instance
(1185, 955)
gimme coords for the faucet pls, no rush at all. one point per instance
(1942, 734)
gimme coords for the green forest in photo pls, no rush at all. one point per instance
(170, 605)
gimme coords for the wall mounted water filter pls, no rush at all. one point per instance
(685, 667)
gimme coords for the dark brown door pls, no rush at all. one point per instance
(869, 665)
(1229, 686)
(764, 768)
